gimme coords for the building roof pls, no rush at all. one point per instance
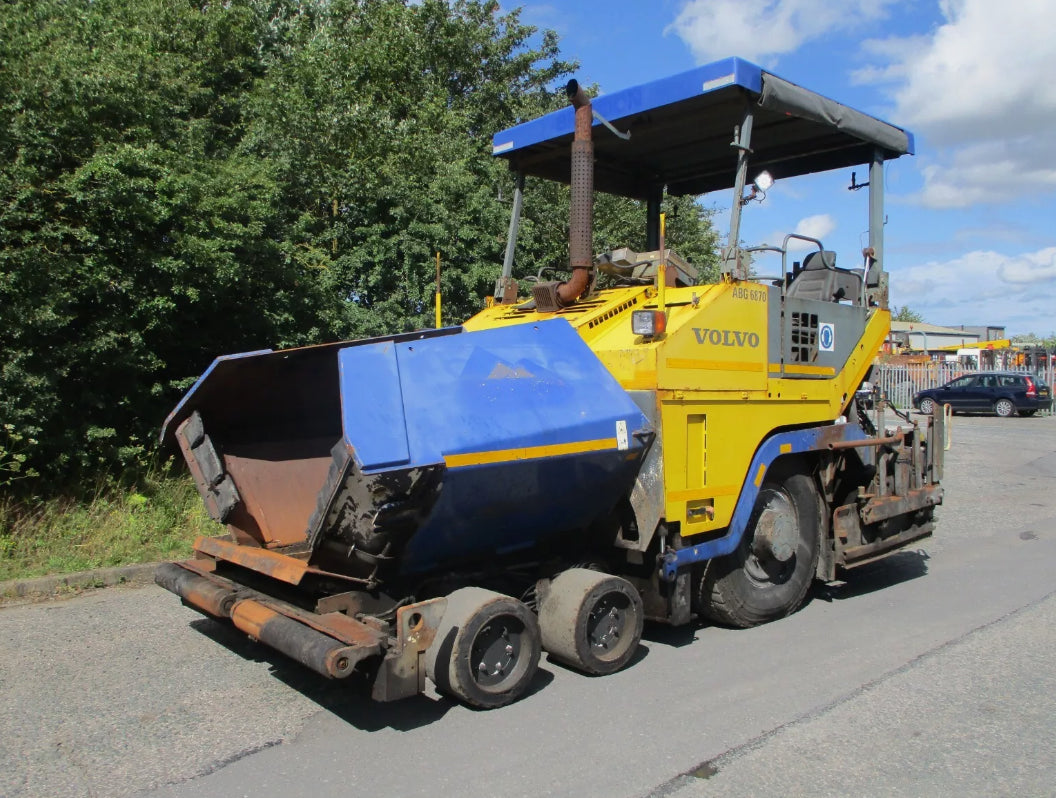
(931, 329)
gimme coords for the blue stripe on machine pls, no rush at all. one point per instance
(805, 440)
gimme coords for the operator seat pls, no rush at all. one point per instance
(820, 279)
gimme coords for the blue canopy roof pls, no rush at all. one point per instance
(681, 127)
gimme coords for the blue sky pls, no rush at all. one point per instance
(971, 234)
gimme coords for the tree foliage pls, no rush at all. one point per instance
(1031, 339)
(135, 235)
(906, 313)
(184, 179)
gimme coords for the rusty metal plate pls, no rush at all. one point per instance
(279, 482)
(884, 507)
(333, 624)
(846, 525)
(402, 673)
(217, 490)
(271, 563)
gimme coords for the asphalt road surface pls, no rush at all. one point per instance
(928, 673)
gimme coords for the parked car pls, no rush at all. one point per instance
(1003, 392)
(865, 394)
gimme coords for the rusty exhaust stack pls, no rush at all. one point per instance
(555, 295)
(581, 223)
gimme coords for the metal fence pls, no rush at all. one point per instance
(899, 382)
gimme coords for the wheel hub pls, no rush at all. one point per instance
(495, 652)
(605, 624)
(776, 530)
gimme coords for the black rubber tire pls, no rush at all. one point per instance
(743, 589)
(1005, 408)
(927, 406)
(1027, 413)
(481, 626)
(591, 620)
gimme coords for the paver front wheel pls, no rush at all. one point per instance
(927, 406)
(486, 650)
(591, 621)
(1005, 408)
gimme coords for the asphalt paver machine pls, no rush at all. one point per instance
(448, 504)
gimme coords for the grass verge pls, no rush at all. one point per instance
(158, 518)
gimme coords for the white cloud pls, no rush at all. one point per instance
(760, 30)
(1038, 267)
(819, 226)
(982, 287)
(979, 89)
(984, 75)
(989, 172)
(542, 16)
(894, 55)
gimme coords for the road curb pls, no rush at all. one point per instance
(45, 587)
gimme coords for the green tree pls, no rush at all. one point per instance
(181, 180)
(1030, 339)
(379, 115)
(905, 313)
(134, 237)
(618, 222)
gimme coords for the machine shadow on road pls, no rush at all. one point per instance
(674, 636)
(894, 569)
(641, 653)
(348, 699)
(900, 567)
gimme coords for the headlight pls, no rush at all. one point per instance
(648, 323)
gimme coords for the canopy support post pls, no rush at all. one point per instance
(505, 279)
(652, 218)
(732, 266)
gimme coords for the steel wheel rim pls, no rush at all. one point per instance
(1004, 407)
(765, 570)
(607, 625)
(495, 656)
(926, 406)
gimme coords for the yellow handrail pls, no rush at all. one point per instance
(438, 289)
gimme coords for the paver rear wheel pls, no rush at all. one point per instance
(486, 650)
(1005, 408)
